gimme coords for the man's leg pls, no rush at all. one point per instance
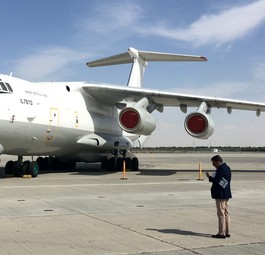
(227, 219)
(221, 213)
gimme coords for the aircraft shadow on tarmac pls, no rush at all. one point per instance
(179, 232)
(94, 169)
(78, 171)
(155, 172)
(98, 172)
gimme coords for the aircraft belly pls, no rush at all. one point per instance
(23, 138)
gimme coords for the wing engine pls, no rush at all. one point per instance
(136, 119)
(199, 124)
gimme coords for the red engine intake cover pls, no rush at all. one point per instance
(136, 121)
(197, 123)
(129, 119)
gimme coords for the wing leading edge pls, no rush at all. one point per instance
(111, 94)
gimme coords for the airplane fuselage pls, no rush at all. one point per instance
(56, 119)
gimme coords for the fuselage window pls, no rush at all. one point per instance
(3, 86)
(9, 87)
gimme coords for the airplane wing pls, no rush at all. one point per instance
(112, 94)
(136, 103)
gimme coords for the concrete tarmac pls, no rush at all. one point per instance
(162, 209)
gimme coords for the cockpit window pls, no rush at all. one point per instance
(9, 87)
(3, 86)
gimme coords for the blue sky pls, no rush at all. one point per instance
(53, 39)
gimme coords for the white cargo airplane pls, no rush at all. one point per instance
(71, 122)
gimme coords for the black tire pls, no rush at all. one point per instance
(120, 164)
(135, 164)
(9, 167)
(112, 164)
(40, 161)
(104, 163)
(57, 164)
(34, 168)
(128, 163)
(25, 167)
(46, 163)
(17, 169)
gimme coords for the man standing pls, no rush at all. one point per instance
(221, 192)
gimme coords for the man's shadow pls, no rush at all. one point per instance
(179, 232)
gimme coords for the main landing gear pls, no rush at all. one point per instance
(19, 168)
(115, 163)
(54, 163)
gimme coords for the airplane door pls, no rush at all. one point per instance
(53, 124)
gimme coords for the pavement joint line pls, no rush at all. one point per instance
(161, 240)
(112, 184)
(231, 245)
(140, 233)
(193, 251)
(94, 185)
(127, 228)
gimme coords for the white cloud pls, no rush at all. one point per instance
(220, 28)
(106, 25)
(111, 21)
(45, 62)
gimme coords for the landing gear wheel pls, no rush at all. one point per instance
(17, 169)
(9, 167)
(128, 163)
(104, 163)
(119, 164)
(25, 167)
(135, 164)
(46, 163)
(33, 168)
(43, 163)
(112, 165)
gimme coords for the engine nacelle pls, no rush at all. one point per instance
(199, 125)
(136, 120)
